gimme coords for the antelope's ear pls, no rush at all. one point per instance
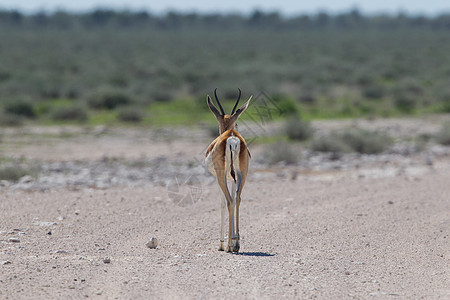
(213, 108)
(241, 109)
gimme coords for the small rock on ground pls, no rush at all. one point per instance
(152, 244)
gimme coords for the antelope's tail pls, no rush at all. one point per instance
(232, 151)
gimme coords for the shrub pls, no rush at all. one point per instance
(444, 106)
(296, 129)
(406, 102)
(374, 91)
(74, 112)
(443, 136)
(280, 152)
(407, 95)
(307, 97)
(442, 95)
(286, 106)
(20, 108)
(364, 77)
(10, 120)
(279, 104)
(330, 144)
(13, 173)
(411, 86)
(108, 98)
(357, 140)
(130, 114)
(365, 141)
(161, 95)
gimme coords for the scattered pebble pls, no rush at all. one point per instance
(107, 260)
(13, 240)
(152, 244)
(77, 212)
(26, 179)
(6, 262)
(44, 224)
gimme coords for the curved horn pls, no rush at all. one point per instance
(217, 99)
(237, 102)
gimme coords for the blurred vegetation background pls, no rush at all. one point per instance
(108, 66)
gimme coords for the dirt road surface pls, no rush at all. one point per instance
(338, 236)
(351, 238)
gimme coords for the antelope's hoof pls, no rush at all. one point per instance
(221, 248)
(233, 245)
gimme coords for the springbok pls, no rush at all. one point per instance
(227, 158)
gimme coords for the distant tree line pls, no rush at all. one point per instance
(102, 18)
(64, 65)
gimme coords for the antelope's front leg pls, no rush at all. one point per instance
(237, 243)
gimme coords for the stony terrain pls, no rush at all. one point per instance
(363, 226)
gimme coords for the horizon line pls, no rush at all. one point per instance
(225, 12)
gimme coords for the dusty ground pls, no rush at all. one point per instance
(335, 234)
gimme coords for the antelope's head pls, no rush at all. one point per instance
(227, 122)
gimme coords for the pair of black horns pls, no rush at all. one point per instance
(220, 106)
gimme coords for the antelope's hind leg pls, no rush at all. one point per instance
(222, 222)
(229, 202)
(233, 237)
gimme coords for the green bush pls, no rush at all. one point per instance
(374, 91)
(365, 141)
(20, 108)
(108, 98)
(74, 112)
(10, 120)
(130, 114)
(161, 95)
(330, 144)
(280, 152)
(443, 136)
(296, 129)
(407, 94)
(364, 77)
(307, 97)
(444, 106)
(406, 102)
(442, 95)
(353, 140)
(13, 173)
(285, 105)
